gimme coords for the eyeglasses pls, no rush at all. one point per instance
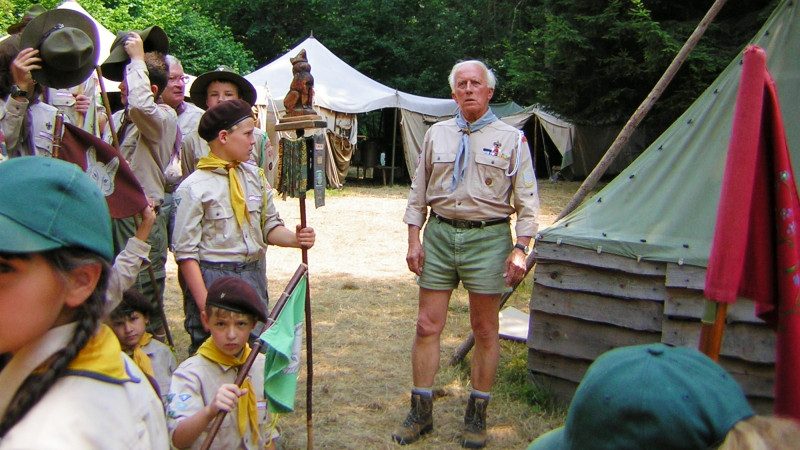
(184, 78)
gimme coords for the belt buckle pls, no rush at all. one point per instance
(461, 223)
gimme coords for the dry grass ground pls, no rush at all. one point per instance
(363, 317)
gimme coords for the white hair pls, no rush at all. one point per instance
(491, 80)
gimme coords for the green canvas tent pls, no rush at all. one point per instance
(668, 196)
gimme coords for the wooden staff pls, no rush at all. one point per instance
(57, 134)
(301, 271)
(309, 346)
(107, 106)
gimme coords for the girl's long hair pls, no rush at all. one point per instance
(87, 315)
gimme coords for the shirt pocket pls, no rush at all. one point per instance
(492, 179)
(442, 172)
(221, 220)
(43, 143)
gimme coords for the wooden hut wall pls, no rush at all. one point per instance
(585, 303)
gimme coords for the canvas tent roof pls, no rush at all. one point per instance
(663, 206)
(338, 86)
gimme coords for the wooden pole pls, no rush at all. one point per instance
(641, 112)
(58, 131)
(301, 271)
(107, 106)
(711, 333)
(309, 345)
(159, 297)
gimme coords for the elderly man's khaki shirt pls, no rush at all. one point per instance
(498, 181)
(195, 384)
(205, 226)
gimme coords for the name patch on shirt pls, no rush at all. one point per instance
(254, 198)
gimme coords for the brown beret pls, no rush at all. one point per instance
(234, 294)
(223, 116)
(133, 301)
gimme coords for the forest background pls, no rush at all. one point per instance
(588, 61)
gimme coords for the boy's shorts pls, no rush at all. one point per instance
(475, 256)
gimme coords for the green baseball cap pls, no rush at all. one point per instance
(48, 204)
(650, 396)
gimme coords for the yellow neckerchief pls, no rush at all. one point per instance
(101, 356)
(247, 402)
(140, 357)
(213, 161)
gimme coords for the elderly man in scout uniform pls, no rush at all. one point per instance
(57, 48)
(217, 86)
(147, 133)
(474, 172)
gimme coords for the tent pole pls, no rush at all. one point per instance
(641, 111)
(394, 144)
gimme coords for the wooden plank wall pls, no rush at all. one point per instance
(585, 303)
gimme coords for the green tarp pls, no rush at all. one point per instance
(664, 205)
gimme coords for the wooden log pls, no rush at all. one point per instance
(753, 343)
(559, 366)
(689, 277)
(548, 252)
(689, 304)
(756, 380)
(643, 315)
(579, 338)
(567, 276)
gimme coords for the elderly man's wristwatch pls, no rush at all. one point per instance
(16, 92)
(524, 248)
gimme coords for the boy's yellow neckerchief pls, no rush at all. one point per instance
(140, 357)
(213, 161)
(247, 403)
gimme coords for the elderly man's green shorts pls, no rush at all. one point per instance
(475, 256)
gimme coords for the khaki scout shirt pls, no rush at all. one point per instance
(194, 147)
(43, 121)
(189, 116)
(486, 192)
(149, 140)
(195, 384)
(205, 226)
(79, 412)
(164, 364)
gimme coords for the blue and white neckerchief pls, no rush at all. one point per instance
(463, 149)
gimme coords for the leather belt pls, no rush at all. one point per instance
(468, 224)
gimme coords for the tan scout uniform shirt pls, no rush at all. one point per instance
(205, 226)
(195, 384)
(485, 192)
(194, 147)
(43, 120)
(163, 362)
(79, 412)
(149, 140)
(189, 116)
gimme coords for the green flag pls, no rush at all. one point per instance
(284, 340)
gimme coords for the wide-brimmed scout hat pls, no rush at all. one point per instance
(68, 44)
(154, 39)
(29, 14)
(222, 73)
(650, 396)
(48, 204)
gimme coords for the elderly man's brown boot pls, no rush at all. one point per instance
(475, 423)
(418, 422)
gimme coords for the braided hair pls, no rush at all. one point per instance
(63, 260)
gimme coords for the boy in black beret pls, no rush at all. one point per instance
(203, 385)
(225, 215)
(129, 321)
